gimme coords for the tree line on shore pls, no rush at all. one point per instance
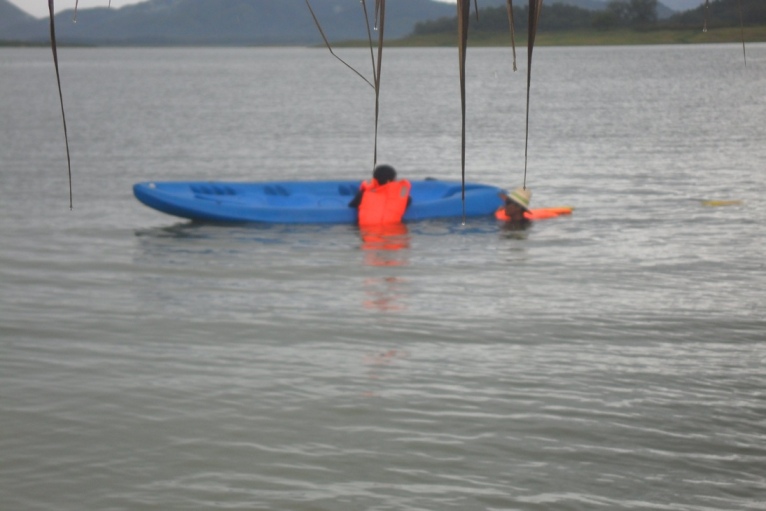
(619, 14)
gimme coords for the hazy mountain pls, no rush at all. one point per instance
(242, 22)
(11, 15)
(225, 22)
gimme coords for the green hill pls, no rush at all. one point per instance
(569, 25)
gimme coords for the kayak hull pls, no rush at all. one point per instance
(309, 202)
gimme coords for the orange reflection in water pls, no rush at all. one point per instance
(384, 294)
(384, 246)
(382, 367)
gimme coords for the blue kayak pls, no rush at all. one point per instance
(309, 202)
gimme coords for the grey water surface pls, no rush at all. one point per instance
(610, 360)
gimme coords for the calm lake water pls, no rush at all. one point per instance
(614, 359)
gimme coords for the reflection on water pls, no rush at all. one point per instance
(385, 245)
(385, 358)
(514, 230)
(379, 366)
(385, 294)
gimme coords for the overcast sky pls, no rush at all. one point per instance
(39, 8)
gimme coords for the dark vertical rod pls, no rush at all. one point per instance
(742, 30)
(51, 10)
(512, 27)
(381, 13)
(463, 17)
(535, 6)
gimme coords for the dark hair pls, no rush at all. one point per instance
(384, 173)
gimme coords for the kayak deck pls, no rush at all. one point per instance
(305, 201)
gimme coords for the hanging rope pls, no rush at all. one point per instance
(741, 25)
(511, 26)
(380, 19)
(329, 47)
(707, 9)
(379, 25)
(51, 10)
(535, 6)
(742, 30)
(369, 38)
(463, 17)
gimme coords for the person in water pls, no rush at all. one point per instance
(515, 207)
(383, 199)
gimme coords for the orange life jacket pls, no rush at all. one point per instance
(536, 214)
(383, 204)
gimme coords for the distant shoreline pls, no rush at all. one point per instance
(752, 34)
(625, 37)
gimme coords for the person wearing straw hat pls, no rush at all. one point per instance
(515, 205)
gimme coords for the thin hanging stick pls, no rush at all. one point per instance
(61, 96)
(463, 17)
(369, 38)
(74, 16)
(707, 8)
(741, 25)
(509, 6)
(375, 70)
(381, 10)
(379, 24)
(535, 6)
(742, 30)
(329, 47)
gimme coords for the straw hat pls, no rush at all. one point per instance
(521, 196)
